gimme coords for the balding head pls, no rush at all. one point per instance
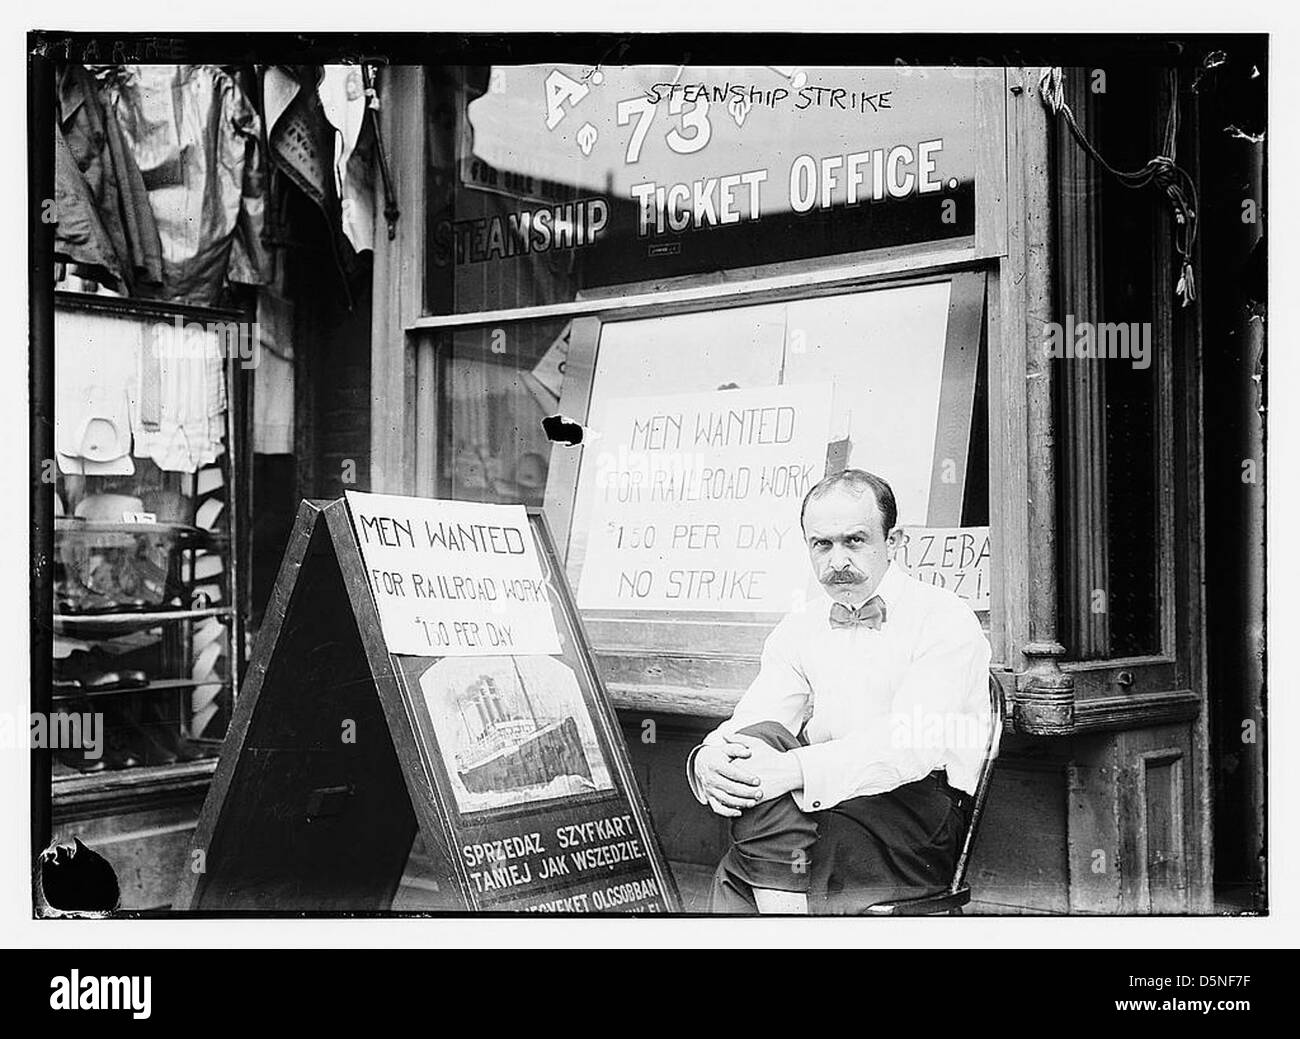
(856, 482)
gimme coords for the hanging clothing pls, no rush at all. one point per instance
(300, 137)
(180, 422)
(79, 233)
(195, 138)
(251, 259)
(96, 376)
(273, 376)
(191, 405)
(320, 139)
(343, 98)
(124, 388)
(104, 221)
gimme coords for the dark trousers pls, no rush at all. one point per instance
(903, 843)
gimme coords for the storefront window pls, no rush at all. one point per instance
(496, 385)
(572, 185)
(143, 571)
(1117, 459)
(550, 181)
(710, 427)
(162, 233)
(704, 430)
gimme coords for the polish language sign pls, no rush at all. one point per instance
(955, 558)
(453, 578)
(697, 497)
(510, 760)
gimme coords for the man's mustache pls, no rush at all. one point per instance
(849, 576)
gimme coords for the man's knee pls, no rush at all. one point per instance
(774, 734)
(779, 821)
(771, 846)
(770, 842)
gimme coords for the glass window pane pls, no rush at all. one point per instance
(1111, 272)
(709, 428)
(142, 542)
(496, 386)
(1128, 263)
(680, 511)
(547, 181)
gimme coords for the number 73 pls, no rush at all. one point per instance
(695, 120)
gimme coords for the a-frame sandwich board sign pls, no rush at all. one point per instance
(511, 767)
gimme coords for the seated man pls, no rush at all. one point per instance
(848, 766)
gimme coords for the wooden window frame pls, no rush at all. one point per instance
(642, 672)
(1112, 692)
(957, 391)
(144, 786)
(1015, 253)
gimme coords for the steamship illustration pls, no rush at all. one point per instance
(511, 747)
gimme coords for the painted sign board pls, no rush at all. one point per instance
(510, 765)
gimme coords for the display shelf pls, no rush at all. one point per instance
(182, 532)
(92, 624)
(131, 789)
(158, 685)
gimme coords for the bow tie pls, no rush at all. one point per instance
(871, 613)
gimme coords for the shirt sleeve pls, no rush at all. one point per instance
(929, 711)
(779, 693)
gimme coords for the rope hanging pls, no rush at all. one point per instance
(1162, 171)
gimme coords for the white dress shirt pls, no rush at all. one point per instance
(883, 707)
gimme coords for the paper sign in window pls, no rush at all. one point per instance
(696, 496)
(955, 558)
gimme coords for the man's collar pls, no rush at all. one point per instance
(891, 585)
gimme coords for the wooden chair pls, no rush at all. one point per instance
(950, 902)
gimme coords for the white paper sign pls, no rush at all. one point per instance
(453, 578)
(956, 558)
(696, 500)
